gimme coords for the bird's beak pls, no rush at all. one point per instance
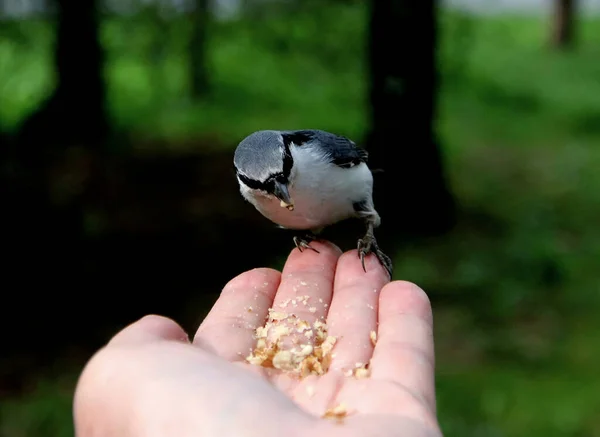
(282, 193)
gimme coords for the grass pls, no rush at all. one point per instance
(515, 286)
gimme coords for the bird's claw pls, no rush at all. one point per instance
(304, 243)
(368, 245)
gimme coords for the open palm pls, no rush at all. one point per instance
(213, 390)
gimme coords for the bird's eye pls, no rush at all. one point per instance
(270, 185)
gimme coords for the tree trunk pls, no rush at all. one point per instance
(56, 144)
(563, 32)
(75, 113)
(411, 193)
(197, 51)
(159, 48)
(50, 170)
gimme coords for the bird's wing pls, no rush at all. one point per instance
(343, 152)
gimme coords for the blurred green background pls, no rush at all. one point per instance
(514, 282)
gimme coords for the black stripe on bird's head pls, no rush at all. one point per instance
(263, 161)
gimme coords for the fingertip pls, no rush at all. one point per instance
(350, 263)
(328, 253)
(265, 271)
(148, 329)
(325, 245)
(406, 297)
(258, 278)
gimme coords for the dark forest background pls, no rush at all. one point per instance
(118, 122)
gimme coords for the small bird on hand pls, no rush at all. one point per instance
(306, 180)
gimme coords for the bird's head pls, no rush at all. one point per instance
(264, 164)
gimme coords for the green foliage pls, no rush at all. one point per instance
(25, 54)
(515, 286)
(44, 411)
(499, 401)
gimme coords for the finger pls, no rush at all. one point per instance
(404, 351)
(243, 305)
(307, 284)
(353, 313)
(149, 329)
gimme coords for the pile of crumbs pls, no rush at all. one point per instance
(311, 357)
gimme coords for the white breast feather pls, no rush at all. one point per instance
(323, 193)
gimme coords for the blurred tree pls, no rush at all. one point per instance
(75, 112)
(54, 146)
(51, 164)
(156, 26)
(198, 48)
(563, 32)
(412, 193)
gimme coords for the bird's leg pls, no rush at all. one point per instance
(368, 244)
(302, 241)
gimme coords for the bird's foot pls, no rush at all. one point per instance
(368, 245)
(303, 242)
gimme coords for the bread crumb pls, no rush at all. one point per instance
(301, 326)
(373, 337)
(310, 391)
(306, 350)
(256, 360)
(312, 309)
(276, 315)
(280, 330)
(304, 299)
(338, 412)
(362, 373)
(283, 360)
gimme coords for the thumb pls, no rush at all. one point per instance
(150, 329)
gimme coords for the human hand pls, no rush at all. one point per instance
(150, 380)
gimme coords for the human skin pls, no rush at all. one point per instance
(151, 380)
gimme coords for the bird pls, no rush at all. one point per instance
(307, 180)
